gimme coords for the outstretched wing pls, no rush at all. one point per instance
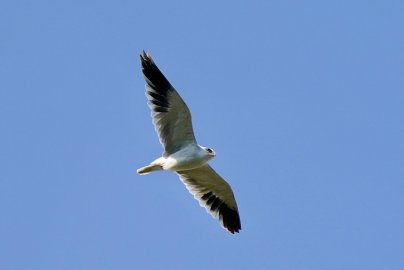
(171, 116)
(213, 193)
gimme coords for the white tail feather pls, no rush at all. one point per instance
(149, 168)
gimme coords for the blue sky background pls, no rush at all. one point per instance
(303, 102)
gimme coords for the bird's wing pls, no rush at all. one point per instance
(171, 116)
(213, 193)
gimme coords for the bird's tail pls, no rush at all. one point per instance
(149, 168)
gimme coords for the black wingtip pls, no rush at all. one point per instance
(154, 77)
(230, 218)
(146, 61)
(145, 58)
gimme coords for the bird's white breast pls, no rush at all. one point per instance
(190, 157)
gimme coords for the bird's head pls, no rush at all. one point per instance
(209, 151)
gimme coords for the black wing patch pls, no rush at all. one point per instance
(229, 217)
(160, 87)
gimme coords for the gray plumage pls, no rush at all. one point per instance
(181, 153)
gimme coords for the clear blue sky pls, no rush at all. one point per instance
(303, 102)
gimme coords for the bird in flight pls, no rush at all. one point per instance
(181, 153)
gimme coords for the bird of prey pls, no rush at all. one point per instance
(181, 153)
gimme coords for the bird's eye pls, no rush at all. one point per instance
(209, 150)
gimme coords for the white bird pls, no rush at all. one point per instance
(181, 153)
